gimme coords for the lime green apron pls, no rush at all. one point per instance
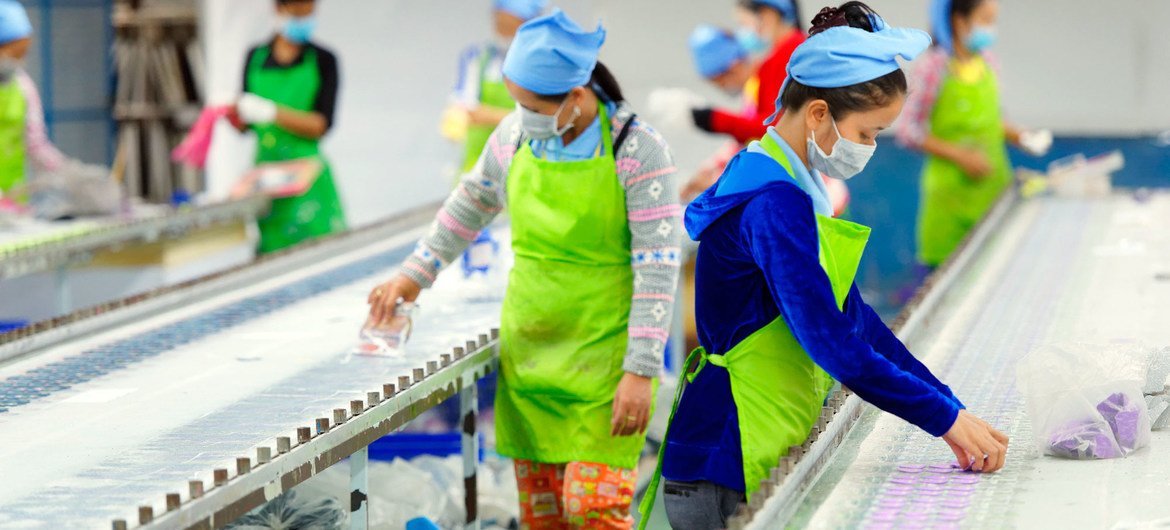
(492, 93)
(318, 211)
(967, 114)
(563, 332)
(13, 111)
(777, 388)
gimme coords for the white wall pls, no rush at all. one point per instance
(1077, 66)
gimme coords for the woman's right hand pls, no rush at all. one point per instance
(977, 446)
(384, 298)
(974, 163)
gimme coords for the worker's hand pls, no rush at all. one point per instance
(1037, 142)
(702, 118)
(977, 446)
(255, 110)
(631, 405)
(974, 163)
(385, 297)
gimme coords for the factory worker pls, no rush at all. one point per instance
(778, 313)
(723, 60)
(24, 142)
(290, 93)
(480, 96)
(774, 24)
(594, 218)
(953, 115)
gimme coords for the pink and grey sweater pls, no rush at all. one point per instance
(647, 172)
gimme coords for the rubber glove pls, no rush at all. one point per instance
(255, 110)
(454, 123)
(1036, 143)
(672, 106)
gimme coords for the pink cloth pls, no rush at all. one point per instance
(193, 150)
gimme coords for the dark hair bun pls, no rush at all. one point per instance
(851, 14)
(829, 17)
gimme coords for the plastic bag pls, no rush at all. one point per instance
(290, 512)
(388, 339)
(75, 189)
(1083, 403)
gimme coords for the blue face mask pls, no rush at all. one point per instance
(981, 39)
(750, 41)
(299, 29)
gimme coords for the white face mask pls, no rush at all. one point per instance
(542, 126)
(847, 160)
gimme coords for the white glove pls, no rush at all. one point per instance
(672, 106)
(255, 110)
(1036, 143)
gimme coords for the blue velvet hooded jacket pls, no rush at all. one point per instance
(757, 260)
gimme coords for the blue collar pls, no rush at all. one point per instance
(810, 182)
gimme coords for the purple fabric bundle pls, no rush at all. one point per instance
(1117, 436)
(1124, 417)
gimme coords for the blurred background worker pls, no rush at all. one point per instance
(953, 115)
(290, 93)
(724, 60)
(24, 144)
(480, 99)
(777, 25)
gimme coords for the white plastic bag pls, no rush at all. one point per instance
(1085, 400)
(74, 190)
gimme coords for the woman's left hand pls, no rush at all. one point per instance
(631, 405)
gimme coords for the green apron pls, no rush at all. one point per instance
(968, 114)
(318, 211)
(492, 93)
(777, 388)
(13, 111)
(563, 332)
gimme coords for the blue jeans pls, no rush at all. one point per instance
(699, 505)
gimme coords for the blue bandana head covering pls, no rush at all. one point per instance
(552, 54)
(714, 50)
(521, 9)
(786, 8)
(843, 56)
(940, 24)
(14, 23)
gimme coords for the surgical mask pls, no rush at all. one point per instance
(981, 39)
(542, 126)
(847, 160)
(8, 69)
(750, 40)
(298, 30)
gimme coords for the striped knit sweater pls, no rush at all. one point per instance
(647, 172)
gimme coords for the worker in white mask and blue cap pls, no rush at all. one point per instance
(953, 115)
(480, 99)
(24, 142)
(595, 231)
(778, 313)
